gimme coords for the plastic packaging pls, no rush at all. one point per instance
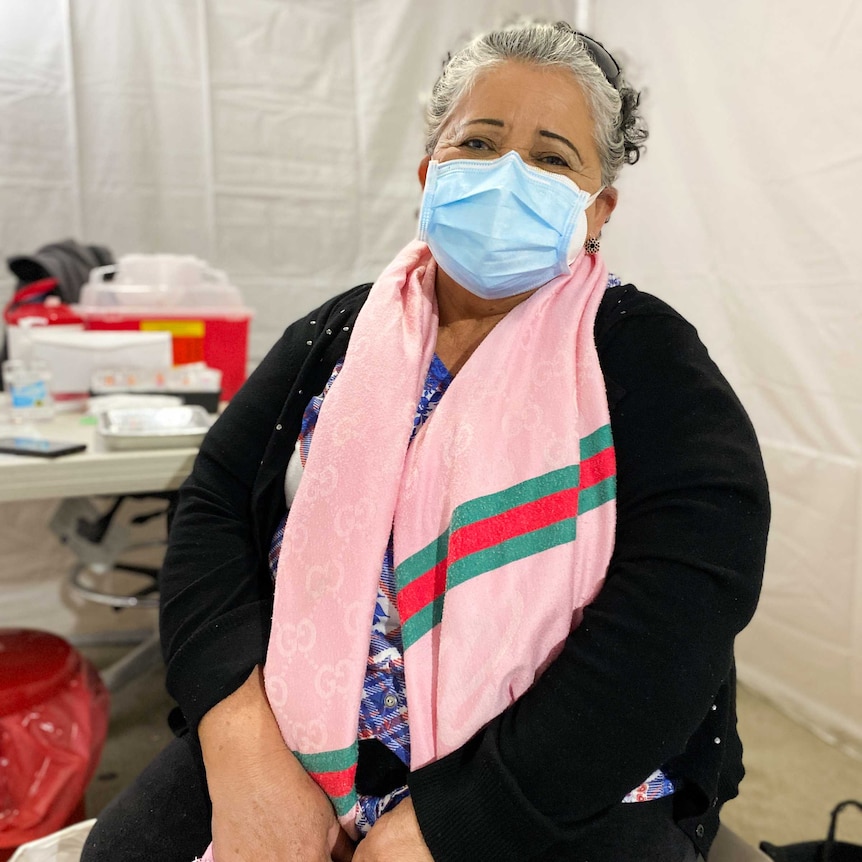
(34, 305)
(154, 428)
(28, 382)
(63, 846)
(74, 356)
(53, 721)
(193, 383)
(147, 281)
(179, 294)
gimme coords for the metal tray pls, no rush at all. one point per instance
(154, 427)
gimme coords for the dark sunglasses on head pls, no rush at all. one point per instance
(601, 56)
(603, 60)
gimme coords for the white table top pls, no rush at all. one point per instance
(96, 471)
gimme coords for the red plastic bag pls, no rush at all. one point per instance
(53, 722)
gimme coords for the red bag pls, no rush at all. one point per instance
(53, 722)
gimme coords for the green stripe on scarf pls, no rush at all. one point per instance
(483, 508)
(422, 561)
(329, 761)
(509, 498)
(343, 804)
(597, 495)
(596, 442)
(508, 550)
(484, 561)
(422, 621)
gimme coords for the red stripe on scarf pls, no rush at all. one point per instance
(598, 468)
(422, 591)
(488, 532)
(336, 783)
(515, 522)
(484, 534)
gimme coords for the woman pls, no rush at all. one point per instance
(572, 526)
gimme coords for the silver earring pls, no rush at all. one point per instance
(592, 245)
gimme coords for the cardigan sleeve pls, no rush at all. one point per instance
(215, 588)
(636, 679)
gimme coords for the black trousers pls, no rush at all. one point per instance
(165, 815)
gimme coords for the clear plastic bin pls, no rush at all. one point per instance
(179, 294)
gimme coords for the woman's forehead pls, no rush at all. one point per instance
(524, 99)
(514, 90)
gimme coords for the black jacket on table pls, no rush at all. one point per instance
(646, 680)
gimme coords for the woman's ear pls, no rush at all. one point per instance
(423, 170)
(605, 204)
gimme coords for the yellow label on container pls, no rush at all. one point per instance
(181, 328)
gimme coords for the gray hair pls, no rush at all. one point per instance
(619, 130)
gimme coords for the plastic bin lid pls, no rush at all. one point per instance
(159, 281)
(51, 311)
(34, 665)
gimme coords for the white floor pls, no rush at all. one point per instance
(794, 780)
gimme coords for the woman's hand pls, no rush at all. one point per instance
(395, 837)
(265, 807)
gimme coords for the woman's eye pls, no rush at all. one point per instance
(557, 161)
(475, 144)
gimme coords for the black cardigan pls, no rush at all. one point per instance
(646, 680)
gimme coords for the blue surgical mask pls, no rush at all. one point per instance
(500, 227)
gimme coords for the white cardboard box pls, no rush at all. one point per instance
(73, 356)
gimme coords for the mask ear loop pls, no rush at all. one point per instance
(593, 198)
(593, 244)
(580, 240)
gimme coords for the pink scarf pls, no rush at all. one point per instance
(503, 510)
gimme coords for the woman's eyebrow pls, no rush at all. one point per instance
(543, 132)
(546, 134)
(487, 122)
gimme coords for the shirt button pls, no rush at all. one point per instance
(717, 740)
(699, 830)
(390, 700)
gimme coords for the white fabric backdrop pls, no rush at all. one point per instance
(745, 215)
(279, 139)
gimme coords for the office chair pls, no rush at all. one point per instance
(103, 539)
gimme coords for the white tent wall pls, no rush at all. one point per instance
(745, 216)
(278, 139)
